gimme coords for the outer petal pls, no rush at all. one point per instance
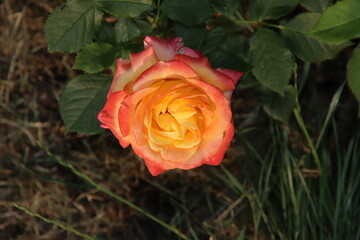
(154, 170)
(191, 53)
(234, 75)
(203, 68)
(123, 67)
(221, 114)
(108, 116)
(164, 70)
(153, 160)
(165, 49)
(129, 70)
(217, 158)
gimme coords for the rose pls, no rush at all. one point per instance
(171, 106)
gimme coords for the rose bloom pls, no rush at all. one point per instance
(171, 106)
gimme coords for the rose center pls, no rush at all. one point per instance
(177, 115)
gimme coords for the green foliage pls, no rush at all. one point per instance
(222, 59)
(306, 47)
(270, 9)
(278, 107)
(215, 38)
(193, 36)
(70, 28)
(226, 7)
(272, 60)
(127, 29)
(187, 12)
(79, 26)
(315, 5)
(81, 101)
(95, 57)
(353, 73)
(339, 23)
(107, 33)
(126, 8)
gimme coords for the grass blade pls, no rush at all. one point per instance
(59, 224)
(333, 104)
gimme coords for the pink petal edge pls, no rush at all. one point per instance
(165, 49)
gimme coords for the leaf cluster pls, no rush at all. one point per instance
(266, 39)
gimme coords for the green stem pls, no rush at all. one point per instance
(243, 19)
(114, 195)
(155, 22)
(300, 121)
(247, 23)
(59, 224)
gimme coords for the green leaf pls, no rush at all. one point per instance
(236, 44)
(248, 80)
(127, 29)
(272, 60)
(226, 7)
(222, 59)
(270, 9)
(215, 38)
(126, 8)
(95, 57)
(339, 23)
(315, 5)
(353, 73)
(106, 33)
(193, 36)
(278, 107)
(306, 47)
(68, 29)
(81, 101)
(187, 12)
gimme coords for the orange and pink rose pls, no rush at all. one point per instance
(171, 106)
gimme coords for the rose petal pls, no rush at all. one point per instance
(109, 116)
(217, 158)
(211, 151)
(221, 113)
(203, 68)
(139, 129)
(129, 70)
(165, 49)
(128, 107)
(191, 53)
(123, 67)
(234, 75)
(207, 149)
(174, 155)
(164, 70)
(154, 169)
(153, 160)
